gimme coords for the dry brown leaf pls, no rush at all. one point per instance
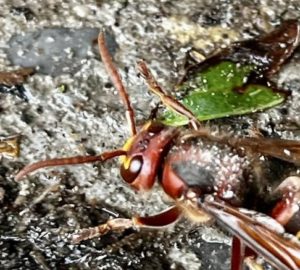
(15, 77)
(9, 146)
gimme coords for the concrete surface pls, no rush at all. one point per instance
(73, 109)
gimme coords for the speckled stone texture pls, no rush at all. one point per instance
(74, 110)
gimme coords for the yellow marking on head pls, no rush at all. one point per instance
(126, 162)
(128, 143)
(124, 159)
(147, 125)
(126, 147)
(298, 235)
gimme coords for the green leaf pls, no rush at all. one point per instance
(212, 94)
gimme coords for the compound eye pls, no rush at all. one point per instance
(131, 173)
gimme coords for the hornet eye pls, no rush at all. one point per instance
(131, 173)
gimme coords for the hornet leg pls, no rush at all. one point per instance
(158, 221)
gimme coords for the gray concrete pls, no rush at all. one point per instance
(38, 215)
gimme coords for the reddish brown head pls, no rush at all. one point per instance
(145, 152)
